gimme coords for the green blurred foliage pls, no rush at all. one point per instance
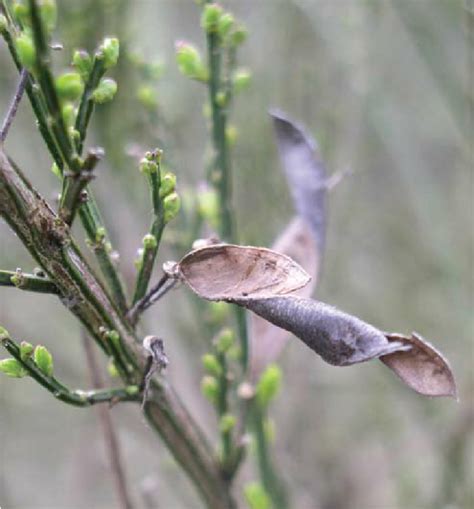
(386, 87)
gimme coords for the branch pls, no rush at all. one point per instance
(13, 108)
(49, 242)
(29, 282)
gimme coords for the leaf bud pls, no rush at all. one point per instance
(82, 61)
(148, 166)
(100, 235)
(4, 334)
(224, 340)
(227, 423)
(238, 36)
(69, 86)
(210, 388)
(221, 99)
(26, 51)
(225, 24)
(109, 51)
(218, 312)
(242, 79)
(189, 61)
(231, 134)
(147, 97)
(26, 350)
(112, 369)
(211, 365)
(167, 184)
(268, 385)
(12, 368)
(105, 91)
(210, 17)
(149, 242)
(44, 360)
(3, 24)
(171, 205)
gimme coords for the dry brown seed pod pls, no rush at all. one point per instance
(423, 368)
(230, 272)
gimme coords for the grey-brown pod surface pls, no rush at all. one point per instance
(230, 272)
(339, 338)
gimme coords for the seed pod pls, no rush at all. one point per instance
(230, 272)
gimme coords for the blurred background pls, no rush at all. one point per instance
(386, 87)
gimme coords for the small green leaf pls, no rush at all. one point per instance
(256, 496)
(44, 360)
(11, 367)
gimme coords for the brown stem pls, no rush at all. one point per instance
(48, 240)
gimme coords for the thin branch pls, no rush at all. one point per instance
(110, 437)
(13, 108)
(61, 392)
(30, 282)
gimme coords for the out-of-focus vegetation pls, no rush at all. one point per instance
(386, 87)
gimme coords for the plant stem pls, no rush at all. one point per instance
(12, 109)
(28, 282)
(61, 392)
(50, 243)
(110, 437)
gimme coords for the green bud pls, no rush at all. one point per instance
(11, 367)
(238, 36)
(235, 353)
(147, 166)
(26, 51)
(171, 206)
(132, 389)
(231, 134)
(218, 312)
(105, 91)
(48, 13)
(167, 184)
(69, 114)
(26, 350)
(69, 86)
(147, 97)
(269, 430)
(3, 24)
(4, 334)
(82, 61)
(210, 17)
(112, 369)
(227, 423)
(242, 79)
(268, 385)
(44, 360)
(211, 365)
(189, 61)
(210, 388)
(256, 496)
(109, 51)
(100, 235)
(150, 242)
(225, 24)
(114, 337)
(138, 262)
(208, 205)
(224, 340)
(221, 99)
(21, 12)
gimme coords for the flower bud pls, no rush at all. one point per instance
(221, 99)
(26, 350)
(256, 496)
(171, 205)
(132, 390)
(210, 388)
(49, 14)
(218, 312)
(44, 360)
(21, 13)
(69, 114)
(211, 365)
(4, 334)
(82, 61)
(242, 79)
(56, 171)
(26, 51)
(12, 368)
(105, 91)
(208, 205)
(148, 166)
(227, 423)
(138, 262)
(238, 36)
(268, 385)
(100, 235)
(231, 134)
(109, 51)
(225, 24)
(210, 17)
(147, 97)
(112, 369)
(149, 242)
(69, 86)
(3, 24)
(167, 184)
(189, 61)
(224, 340)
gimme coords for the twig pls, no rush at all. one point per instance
(110, 437)
(61, 392)
(30, 282)
(13, 108)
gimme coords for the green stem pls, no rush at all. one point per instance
(28, 282)
(268, 476)
(61, 392)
